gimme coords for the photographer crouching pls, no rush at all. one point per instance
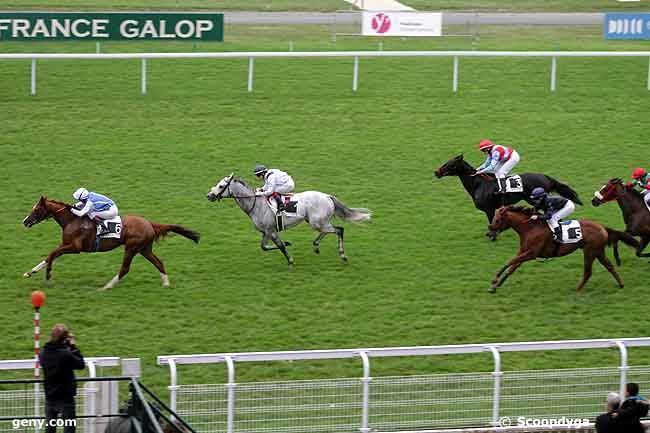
(59, 358)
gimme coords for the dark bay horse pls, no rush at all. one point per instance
(482, 188)
(79, 235)
(536, 240)
(635, 212)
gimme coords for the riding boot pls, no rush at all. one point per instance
(500, 187)
(557, 235)
(280, 203)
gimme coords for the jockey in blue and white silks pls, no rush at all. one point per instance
(500, 160)
(276, 182)
(98, 207)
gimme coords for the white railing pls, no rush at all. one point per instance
(546, 393)
(11, 402)
(356, 55)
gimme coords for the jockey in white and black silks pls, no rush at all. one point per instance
(500, 160)
(98, 207)
(276, 182)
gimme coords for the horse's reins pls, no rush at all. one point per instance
(235, 197)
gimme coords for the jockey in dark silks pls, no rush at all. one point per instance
(555, 208)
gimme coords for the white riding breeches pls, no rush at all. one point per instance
(107, 214)
(505, 168)
(285, 187)
(567, 210)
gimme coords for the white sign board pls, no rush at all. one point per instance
(376, 23)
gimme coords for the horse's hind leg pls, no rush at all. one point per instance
(35, 269)
(126, 265)
(316, 242)
(339, 233)
(149, 255)
(645, 240)
(612, 270)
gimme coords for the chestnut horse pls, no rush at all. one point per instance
(635, 212)
(536, 240)
(79, 235)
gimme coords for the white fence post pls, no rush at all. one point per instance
(623, 368)
(355, 77)
(455, 85)
(553, 73)
(91, 387)
(365, 381)
(33, 89)
(173, 386)
(143, 88)
(496, 396)
(648, 73)
(231, 394)
(251, 65)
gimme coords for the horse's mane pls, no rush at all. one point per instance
(241, 181)
(630, 190)
(57, 202)
(529, 211)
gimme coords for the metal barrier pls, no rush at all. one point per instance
(390, 403)
(356, 55)
(90, 394)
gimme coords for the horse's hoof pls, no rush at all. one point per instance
(344, 258)
(291, 261)
(317, 251)
(104, 289)
(287, 243)
(27, 274)
(492, 289)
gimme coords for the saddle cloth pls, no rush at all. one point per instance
(514, 184)
(290, 206)
(571, 231)
(114, 228)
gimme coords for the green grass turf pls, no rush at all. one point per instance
(326, 5)
(418, 273)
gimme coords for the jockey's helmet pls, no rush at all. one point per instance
(80, 194)
(260, 169)
(638, 173)
(485, 145)
(538, 193)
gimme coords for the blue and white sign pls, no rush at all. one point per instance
(627, 26)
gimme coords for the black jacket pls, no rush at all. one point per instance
(58, 362)
(630, 414)
(607, 423)
(551, 204)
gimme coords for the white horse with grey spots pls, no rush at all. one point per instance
(314, 207)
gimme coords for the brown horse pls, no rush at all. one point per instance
(79, 235)
(635, 212)
(536, 240)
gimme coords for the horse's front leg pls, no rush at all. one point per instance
(491, 234)
(278, 242)
(645, 240)
(35, 269)
(512, 266)
(62, 249)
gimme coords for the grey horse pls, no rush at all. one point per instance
(315, 207)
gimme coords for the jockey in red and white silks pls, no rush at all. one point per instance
(276, 182)
(500, 159)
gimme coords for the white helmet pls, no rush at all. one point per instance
(80, 194)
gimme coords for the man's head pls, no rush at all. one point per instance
(538, 194)
(485, 146)
(260, 171)
(613, 401)
(638, 173)
(80, 194)
(60, 334)
(632, 389)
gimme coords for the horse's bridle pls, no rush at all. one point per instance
(235, 197)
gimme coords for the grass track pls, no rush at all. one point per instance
(418, 273)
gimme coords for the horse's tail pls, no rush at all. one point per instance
(565, 191)
(354, 215)
(163, 230)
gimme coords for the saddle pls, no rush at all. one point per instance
(290, 206)
(111, 229)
